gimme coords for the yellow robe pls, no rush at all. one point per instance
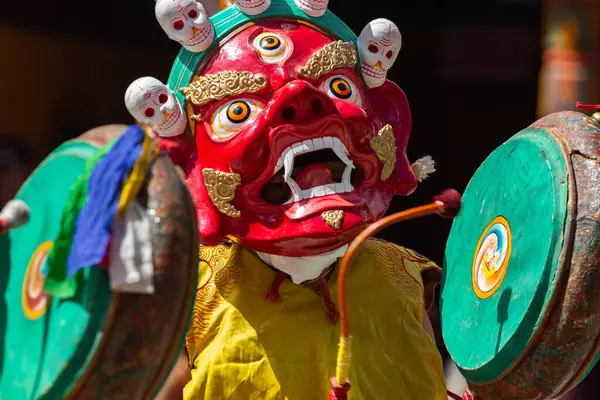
(241, 346)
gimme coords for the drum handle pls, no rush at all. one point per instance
(582, 106)
(447, 204)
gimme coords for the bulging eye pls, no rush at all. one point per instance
(342, 87)
(272, 47)
(163, 98)
(178, 25)
(149, 112)
(232, 116)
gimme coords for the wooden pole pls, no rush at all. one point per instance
(571, 51)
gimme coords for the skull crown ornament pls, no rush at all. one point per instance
(149, 101)
(291, 141)
(280, 113)
(186, 22)
(379, 44)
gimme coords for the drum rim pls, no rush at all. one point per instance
(72, 388)
(562, 269)
(184, 322)
(594, 355)
(581, 139)
(74, 148)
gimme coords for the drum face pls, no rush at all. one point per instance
(41, 337)
(97, 345)
(520, 297)
(502, 254)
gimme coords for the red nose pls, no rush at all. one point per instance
(299, 102)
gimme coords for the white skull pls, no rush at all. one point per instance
(313, 8)
(378, 45)
(150, 101)
(253, 7)
(186, 22)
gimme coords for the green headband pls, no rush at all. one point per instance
(226, 21)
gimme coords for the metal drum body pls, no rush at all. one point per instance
(98, 344)
(520, 298)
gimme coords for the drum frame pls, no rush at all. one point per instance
(558, 342)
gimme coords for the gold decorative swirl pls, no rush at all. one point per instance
(224, 274)
(221, 188)
(207, 88)
(384, 145)
(335, 55)
(333, 218)
(392, 261)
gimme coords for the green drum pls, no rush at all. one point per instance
(98, 344)
(520, 302)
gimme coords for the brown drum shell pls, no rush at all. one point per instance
(144, 334)
(561, 352)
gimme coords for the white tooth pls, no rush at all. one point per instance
(328, 142)
(288, 162)
(346, 179)
(300, 148)
(339, 151)
(296, 191)
(279, 165)
(307, 194)
(318, 143)
(337, 142)
(329, 189)
(340, 188)
(309, 145)
(319, 191)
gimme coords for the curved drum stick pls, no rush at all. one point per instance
(447, 204)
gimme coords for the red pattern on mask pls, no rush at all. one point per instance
(254, 150)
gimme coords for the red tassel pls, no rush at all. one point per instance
(273, 294)
(454, 396)
(332, 312)
(468, 395)
(338, 392)
(105, 263)
(4, 226)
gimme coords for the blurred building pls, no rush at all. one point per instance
(571, 54)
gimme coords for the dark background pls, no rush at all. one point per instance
(469, 68)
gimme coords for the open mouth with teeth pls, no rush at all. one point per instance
(311, 169)
(200, 36)
(254, 4)
(374, 71)
(173, 118)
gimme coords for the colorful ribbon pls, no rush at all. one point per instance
(109, 182)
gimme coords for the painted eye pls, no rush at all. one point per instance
(342, 87)
(373, 49)
(238, 112)
(149, 112)
(389, 54)
(163, 98)
(193, 14)
(270, 43)
(272, 47)
(178, 25)
(234, 115)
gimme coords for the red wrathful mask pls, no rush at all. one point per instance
(293, 154)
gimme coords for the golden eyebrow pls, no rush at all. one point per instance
(207, 88)
(330, 57)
